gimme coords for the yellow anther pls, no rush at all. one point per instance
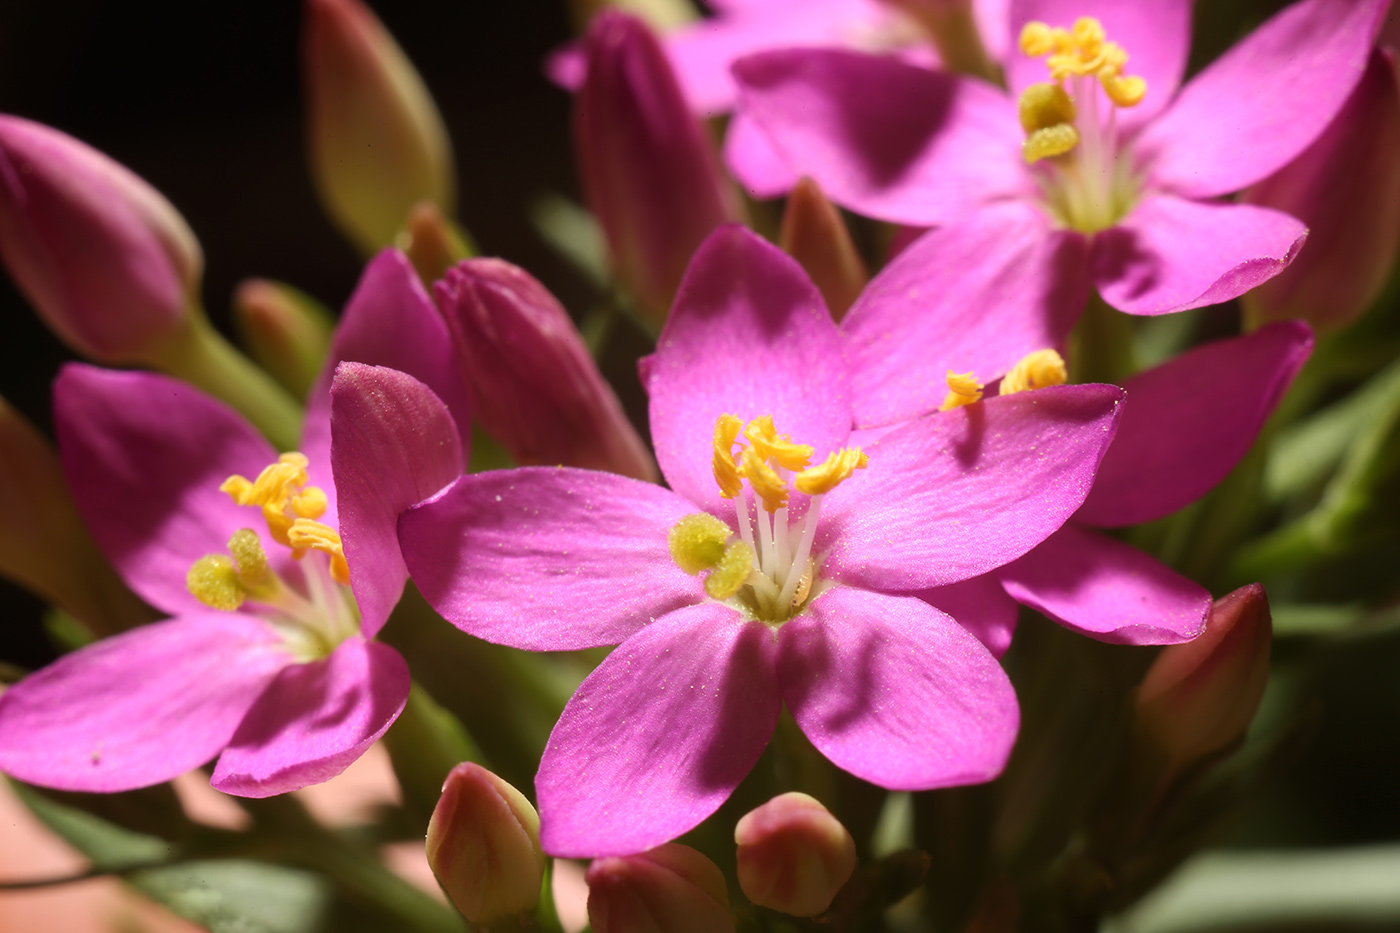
(1125, 91)
(1083, 50)
(776, 448)
(963, 389)
(279, 488)
(249, 557)
(309, 503)
(731, 572)
(307, 535)
(826, 476)
(1035, 371)
(764, 480)
(725, 469)
(213, 581)
(1049, 142)
(1044, 105)
(1037, 39)
(698, 542)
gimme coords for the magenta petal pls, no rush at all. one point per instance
(959, 493)
(887, 139)
(138, 708)
(144, 456)
(749, 335)
(895, 692)
(976, 295)
(548, 558)
(1107, 590)
(1156, 34)
(314, 720)
(1189, 421)
(659, 735)
(754, 161)
(1264, 101)
(1170, 254)
(394, 444)
(981, 606)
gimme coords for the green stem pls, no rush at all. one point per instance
(954, 32)
(1102, 345)
(425, 743)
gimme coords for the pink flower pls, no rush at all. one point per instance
(1123, 183)
(806, 599)
(267, 660)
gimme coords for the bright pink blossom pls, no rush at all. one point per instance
(886, 686)
(288, 688)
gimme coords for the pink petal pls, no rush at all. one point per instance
(1107, 590)
(959, 493)
(659, 735)
(1189, 421)
(144, 456)
(1171, 254)
(394, 444)
(976, 295)
(548, 558)
(895, 692)
(138, 708)
(1156, 35)
(887, 139)
(754, 161)
(1264, 101)
(749, 335)
(314, 720)
(981, 606)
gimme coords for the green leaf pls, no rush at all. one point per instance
(237, 896)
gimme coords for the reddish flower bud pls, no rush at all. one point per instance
(105, 259)
(287, 331)
(1198, 698)
(1346, 188)
(535, 386)
(378, 144)
(432, 242)
(793, 855)
(816, 236)
(484, 845)
(671, 889)
(649, 168)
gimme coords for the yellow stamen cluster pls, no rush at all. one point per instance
(279, 489)
(702, 542)
(1047, 116)
(1035, 371)
(768, 452)
(1081, 51)
(223, 582)
(307, 535)
(963, 389)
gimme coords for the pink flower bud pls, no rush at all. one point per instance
(1198, 698)
(287, 331)
(1346, 188)
(793, 855)
(649, 168)
(106, 260)
(671, 889)
(378, 144)
(535, 386)
(484, 845)
(815, 235)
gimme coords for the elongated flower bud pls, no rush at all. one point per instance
(105, 259)
(1198, 697)
(484, 845)
(793, 855)
(671, 889)
(1346, 188)
(536, 388)
(815, 235)
(649, 168)
(378, 145)
(287, 331)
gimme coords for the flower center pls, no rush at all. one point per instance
(315, 616)
(1089, 184)
(1034, 371)
(769, 571)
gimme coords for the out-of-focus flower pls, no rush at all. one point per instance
(815, 235)
(377, 143)
(105, 259)
(793, 855)
(648, 166)
(484, 845)
(671, 889)
(658, 14)
(807, 567)
(1103, 149)
(287, 331)
(1198, 699)
(432, 242)
(536, 388)
(1346, 188)
(269, 628)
